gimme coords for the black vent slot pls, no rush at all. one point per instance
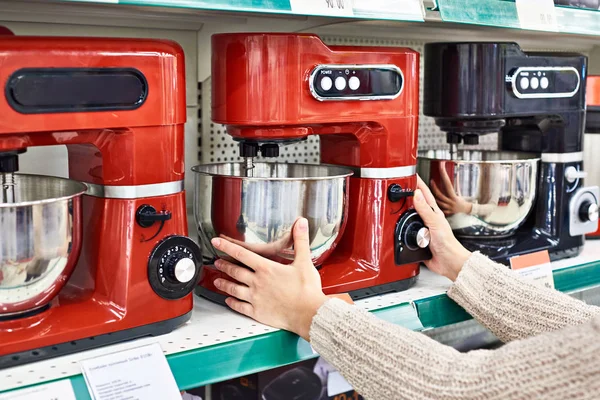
(60, 90)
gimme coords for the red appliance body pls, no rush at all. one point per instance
(592, 135)
(265, 89)
(127, 145)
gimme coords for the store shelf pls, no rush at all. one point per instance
(503, 13)
(218, 344)
(391, 10)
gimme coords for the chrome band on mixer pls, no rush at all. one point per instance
(562, 158)
(134, 191)
(385, 173)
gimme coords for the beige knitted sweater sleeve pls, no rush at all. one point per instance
(383, 361)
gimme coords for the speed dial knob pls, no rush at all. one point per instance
(418, 236)
(180, 266)
(174, 267)
(588, 212)
(412, 239)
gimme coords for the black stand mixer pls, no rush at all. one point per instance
(536, 102)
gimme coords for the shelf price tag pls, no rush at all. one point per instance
(534, 267)
(323, 7)
(537, 15)
(138, 373)
(410, 10)
(61, 390)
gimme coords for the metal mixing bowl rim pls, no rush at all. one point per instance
(83, 189)
(534, 157)
(343, 172)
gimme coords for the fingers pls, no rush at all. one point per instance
(446, 181)
(233, 289)
(423, 209)
(301, 242)
(438, 196)
(241, 254)
(240, 306)
(429, 198)
(240, 274)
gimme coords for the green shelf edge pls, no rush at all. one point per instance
(253, 6)
(233, 359)
(503, 14)
(440, 311)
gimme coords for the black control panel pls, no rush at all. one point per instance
(411, 239)
(174, 267)
(545, 82)
(356, 82)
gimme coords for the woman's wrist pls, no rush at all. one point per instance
(302, 321)
(458, 258)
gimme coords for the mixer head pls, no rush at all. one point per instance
(272, 89)
(476, 88)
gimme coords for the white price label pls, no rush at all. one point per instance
(61, 390)
(141, 373)
(537, 15)
(323, 7)
(535, 267)
(408, 9)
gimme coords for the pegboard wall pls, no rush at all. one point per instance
(216, 146)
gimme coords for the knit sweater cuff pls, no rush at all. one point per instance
(511, 307)
(326, 319)
(477, 270)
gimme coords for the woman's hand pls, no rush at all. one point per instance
(449, 202)
(448, 254)
(282, 296)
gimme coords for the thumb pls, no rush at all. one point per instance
(301, 241)
(424, 209)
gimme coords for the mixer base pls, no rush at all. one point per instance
(62, 349)
(210, 295)
(392, 287)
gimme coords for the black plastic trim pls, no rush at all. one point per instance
(85, 103)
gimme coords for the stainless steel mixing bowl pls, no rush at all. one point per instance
(259, 212)
(40, 240)
(482, 193)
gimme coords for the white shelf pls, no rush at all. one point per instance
(212, 325)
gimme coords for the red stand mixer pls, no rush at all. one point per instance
(126, 269)
(363, 102)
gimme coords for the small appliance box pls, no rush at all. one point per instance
(308, 380)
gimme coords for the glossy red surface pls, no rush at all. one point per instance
(261, 91)
(108, 290)
(593, 99)
(111, 147)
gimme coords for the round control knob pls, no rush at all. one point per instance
(423, 237)
(524, 82)
(417, 236)
(588, 212)
(544, 82)
(535, 83)
(354, 83)
(181, 269)
(340, 83)
(174, 267)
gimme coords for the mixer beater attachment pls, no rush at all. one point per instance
(7, 180)
(9, 164)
